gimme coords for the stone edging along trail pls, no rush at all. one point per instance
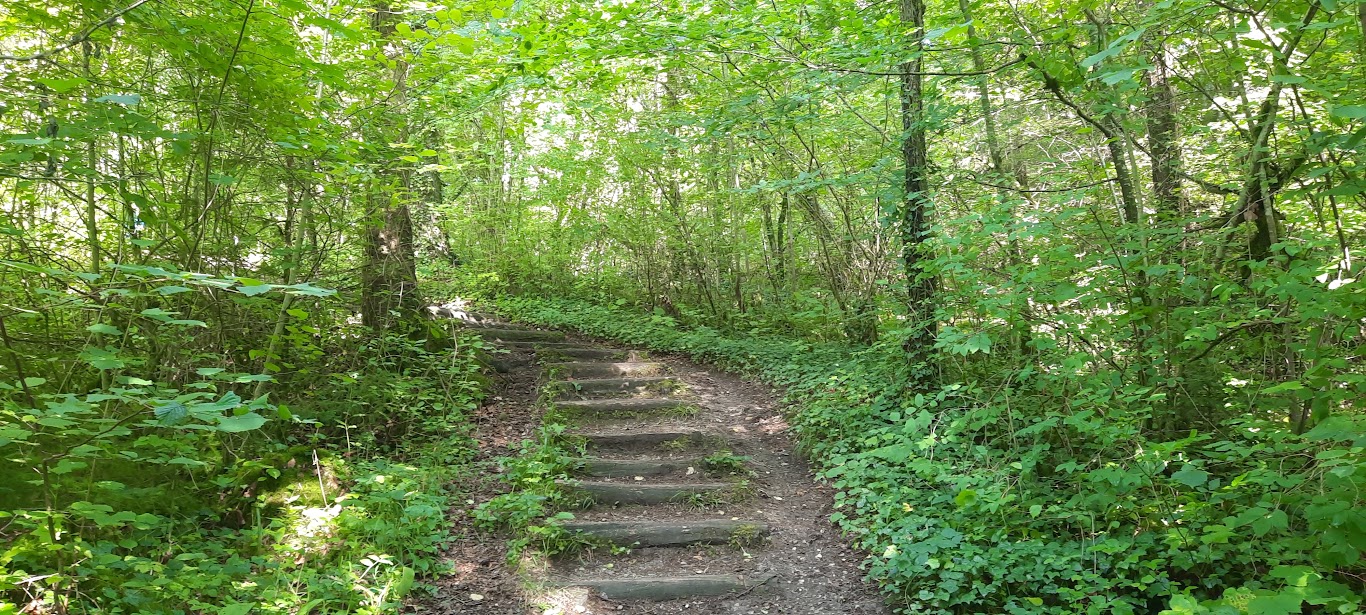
(690, 473)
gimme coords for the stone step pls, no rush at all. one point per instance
(653, 441)
(659, 589)
(654, 385)
(597, 492)
(618, 468)
(520, 335)
(558, 353)
(675, 534)
(583, 369)
(628, 407)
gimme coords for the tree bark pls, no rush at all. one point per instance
(916, 205)
(389, 276)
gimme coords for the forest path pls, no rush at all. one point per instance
(692, 476)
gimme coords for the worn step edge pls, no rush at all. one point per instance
(617, 468)
(568, 389)
(674, 534)
(648, 440)
(583, 369)
(659, 589)
(622, 407)
(518, 335)
(553, 354)
(643, 493)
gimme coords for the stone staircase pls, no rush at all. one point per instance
(651, 487)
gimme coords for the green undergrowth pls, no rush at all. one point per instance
(533, 510)
(187, 495)
(1040, 491)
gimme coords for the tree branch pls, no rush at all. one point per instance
(79, 38)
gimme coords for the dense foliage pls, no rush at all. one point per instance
(984, 498)
(217, 394)
(1070, 288)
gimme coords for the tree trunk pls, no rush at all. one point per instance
(916, 206)
(389, 276)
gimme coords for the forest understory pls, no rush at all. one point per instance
(1062, 298)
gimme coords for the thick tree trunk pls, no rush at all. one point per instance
(389, 276)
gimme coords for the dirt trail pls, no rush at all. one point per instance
(692, 476)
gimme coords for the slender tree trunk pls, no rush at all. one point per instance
(916, 206)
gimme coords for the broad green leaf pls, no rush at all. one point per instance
(62, 86)
(252, 291)
(1351, 112)
(171, 413)
(1191, 476)
(100, 358)
(242, 422)
(104, 329)
(1278, 604)
(129, 100)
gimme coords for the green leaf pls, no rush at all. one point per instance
(62, 86)
(171, 413)
(310, 290)
(1191, 476)
(228, 401)
(127, 100)
(1278, 604)
(252, 291)
(172, 290)
(243, 422)
(104, 329)
(1277, 520)
(99, 358)
(34, 381)
(1351, 112)
(157, 314)
(241, 608)
(966, 497)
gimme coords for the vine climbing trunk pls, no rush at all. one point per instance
(916, 204)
